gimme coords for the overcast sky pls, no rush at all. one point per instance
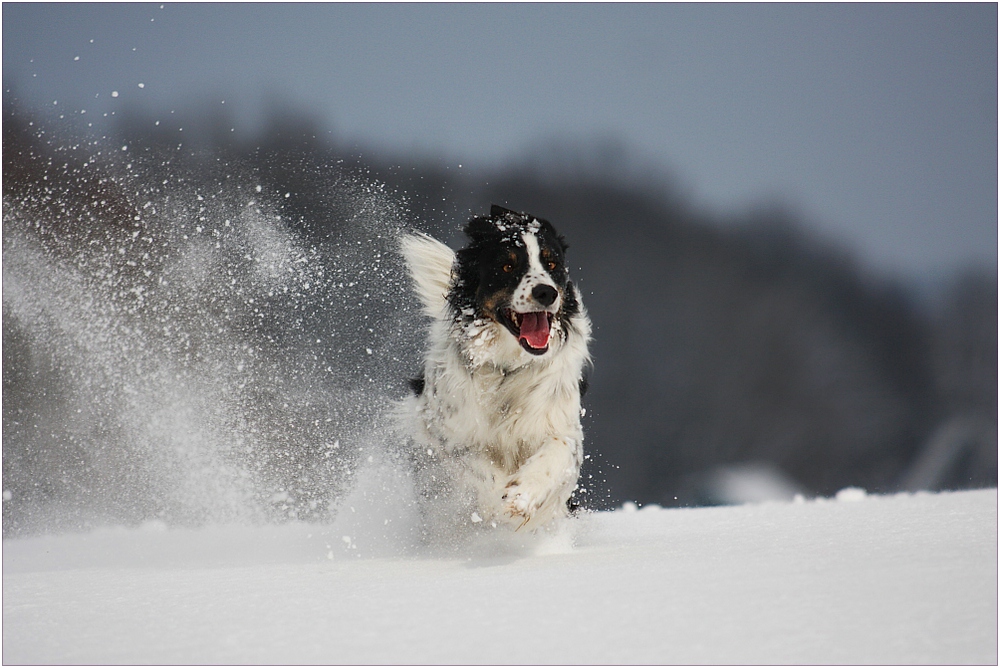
(877, 122)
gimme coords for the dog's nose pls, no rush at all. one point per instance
(544, 294)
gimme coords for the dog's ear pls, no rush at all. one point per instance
(547, 226)
(562, 242)
(430, 265)
(500, 220)
(500, 212)
(481, 228)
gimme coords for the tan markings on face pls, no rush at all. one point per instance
(493, 302)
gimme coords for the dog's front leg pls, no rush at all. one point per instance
(538, 491)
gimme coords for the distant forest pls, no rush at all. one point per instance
(719, 345)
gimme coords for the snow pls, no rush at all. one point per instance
(854, 579)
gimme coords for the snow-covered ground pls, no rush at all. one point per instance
(856, 579)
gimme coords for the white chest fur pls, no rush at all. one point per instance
(504, 415)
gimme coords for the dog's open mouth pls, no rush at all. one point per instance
(531, 329)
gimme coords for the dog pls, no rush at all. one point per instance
(494, 417)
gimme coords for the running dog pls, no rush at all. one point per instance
(495, 414)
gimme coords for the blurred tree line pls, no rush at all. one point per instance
(718, 344)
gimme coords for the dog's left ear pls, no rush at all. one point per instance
(481, 228)
(552, 231)
(484, 227)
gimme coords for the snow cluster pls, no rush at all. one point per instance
(180, 351)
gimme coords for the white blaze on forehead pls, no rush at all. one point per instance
(534, 254)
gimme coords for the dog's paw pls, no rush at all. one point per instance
(521, 502)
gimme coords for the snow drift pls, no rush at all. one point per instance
(908, 579)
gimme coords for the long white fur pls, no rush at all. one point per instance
(429, 262)
(497, 426)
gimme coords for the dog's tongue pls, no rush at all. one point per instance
(535, 329)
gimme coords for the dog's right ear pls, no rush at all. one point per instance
(430, 265)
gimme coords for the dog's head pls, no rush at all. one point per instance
(512, 286)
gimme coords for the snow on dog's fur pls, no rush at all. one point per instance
(495, 414)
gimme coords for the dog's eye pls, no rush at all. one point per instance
(507, 268)
(552, 265)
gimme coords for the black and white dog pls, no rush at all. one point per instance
(495, 415)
